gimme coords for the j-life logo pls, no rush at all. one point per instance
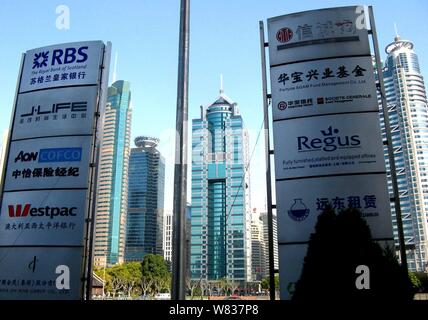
(78, 106)
(60, 57)
(51, 155)
(19, 210)
(330, 140)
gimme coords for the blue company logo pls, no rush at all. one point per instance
(330, 141)
(60, 56)
(60, 155)
(51, 155)
(298, 211)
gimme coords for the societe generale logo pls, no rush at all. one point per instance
(284, 35)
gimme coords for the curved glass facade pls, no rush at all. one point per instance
(408, 115)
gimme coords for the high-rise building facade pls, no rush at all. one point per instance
(221, 212)
(112, 188)
(264, 219)
(167, 235)
(258, 248)
(146, 184)
(408, 116)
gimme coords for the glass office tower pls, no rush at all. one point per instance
(408, 115)
(221, 212)
(112, 188)
(146, 184)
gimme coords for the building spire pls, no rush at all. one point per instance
(397, 37)
(221, 84)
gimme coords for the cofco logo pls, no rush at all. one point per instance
(60, 56)
(330, 141)
(51, 155)
(19, 210)
(284, 35)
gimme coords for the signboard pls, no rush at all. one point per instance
(326, 129)
(39, 218)
(61, 65)
(60, 162)
(29, 273)
(337, 144)
(46, 191)
(305, 199)
(323, 87)
(316, 34)
(64, 111)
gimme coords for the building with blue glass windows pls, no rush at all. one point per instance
(146, 184)
(112, 184)
(221, 212)
(408, 116)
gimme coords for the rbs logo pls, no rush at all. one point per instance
(51, 155)
(60, 56)
(331, 141)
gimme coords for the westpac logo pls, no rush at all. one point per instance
(60, 57)
(329, 141)
(51, 155)
(19, 210)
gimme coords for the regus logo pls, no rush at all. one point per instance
(51, 155)
(60, 56)
(330, 141)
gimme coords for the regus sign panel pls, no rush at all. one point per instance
(48, 163)
(323, 87)
(63, 111)
(54, 217)
(334, 144)
(66, 64)
(324, 33)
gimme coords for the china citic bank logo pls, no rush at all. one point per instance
(19, 210)
(60, 57)
(284, 35)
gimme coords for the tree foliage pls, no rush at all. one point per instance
(339, 244)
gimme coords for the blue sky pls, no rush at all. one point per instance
(224, 39)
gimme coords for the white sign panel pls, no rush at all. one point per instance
(316, 34)
(303, 200)
(290, 265)
(334, 144)
(48, 163)
(64, 111)
(35, 273)
(43, 218)
(66, 64)
(323, 87)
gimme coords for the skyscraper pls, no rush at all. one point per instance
(221, 216)
(146, 184)
(258, 248)
(408, 116)
(264, 219)
(112, 198)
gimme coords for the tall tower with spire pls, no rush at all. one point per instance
(221, 211)
(408, 115)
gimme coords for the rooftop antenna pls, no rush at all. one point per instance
(397, 37)
(221, 84)
(115, 68)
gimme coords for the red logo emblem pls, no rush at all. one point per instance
(282, 105)
(284, 35)
(18, 211)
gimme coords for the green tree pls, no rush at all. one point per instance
(339, 244)
(417, 284)
(155, 270)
